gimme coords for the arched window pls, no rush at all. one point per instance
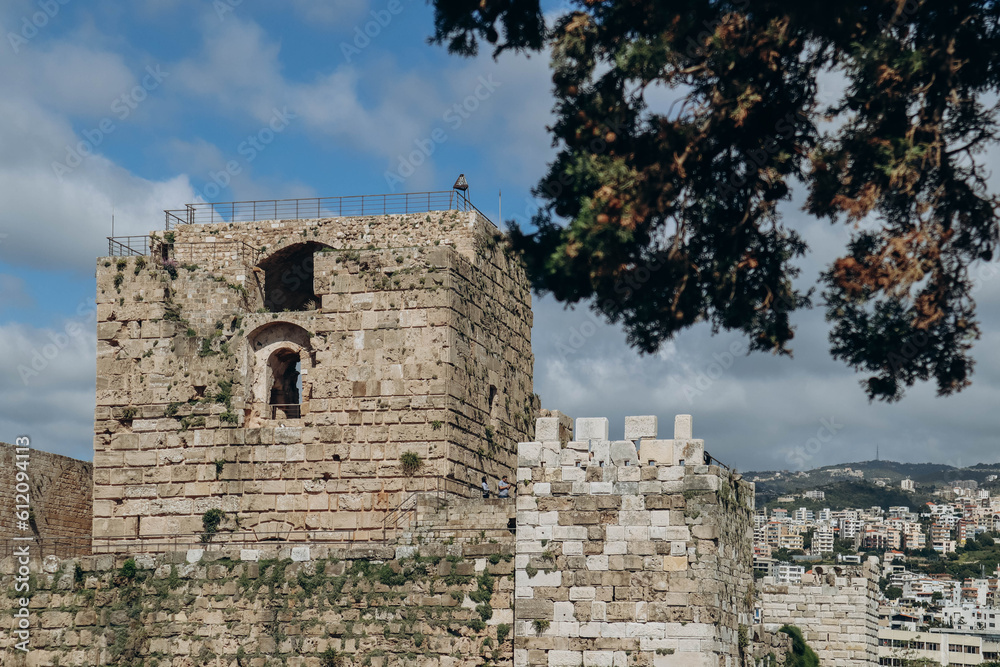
(281, 359)
(289, 278)
(285, 399)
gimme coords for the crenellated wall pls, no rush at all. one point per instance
(614, 564)
(627, 557)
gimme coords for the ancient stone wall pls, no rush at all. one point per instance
(297, 607)
(619, 563)
(410, 334)
(835, 607)
(60, 492)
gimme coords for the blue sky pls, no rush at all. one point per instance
(239, 100)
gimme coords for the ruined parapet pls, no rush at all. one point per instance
(836, 607)
(279, 371)
(630, 552)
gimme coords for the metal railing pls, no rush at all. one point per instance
(287, 410)
(404, 513)
(711, 460)
(192, 250)
(128, 246)
(319, 207)
(40, 547)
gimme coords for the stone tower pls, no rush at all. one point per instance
(304, 373)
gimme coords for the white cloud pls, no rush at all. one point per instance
(47, 385)
(69, 78)
(329, 13)
(40, 207)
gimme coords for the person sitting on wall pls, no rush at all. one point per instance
(503, 487)
(486, 488)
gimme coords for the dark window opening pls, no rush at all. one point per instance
(285, 398)
(493, 395)
(289, 279)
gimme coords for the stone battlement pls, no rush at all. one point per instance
(590, 443)
(631, 552)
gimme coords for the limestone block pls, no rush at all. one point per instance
(547, 429)
(591, 428)
(631, 473)
(692, 452)
(640, 427)
(300, 554)
(683, 427)
(561, 658)
(528, 454)
(563, 611)
(659, 452)
(685, 659)
(675, 563)
(601, 453)
(623, 453)
(550, 456)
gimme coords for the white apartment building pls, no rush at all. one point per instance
(822, 542)
(789, 574)
(903, 647)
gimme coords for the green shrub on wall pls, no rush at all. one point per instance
(801, 655)
(411, 463)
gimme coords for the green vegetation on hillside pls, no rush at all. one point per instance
(845, 495)
(977, 558)
(926, 476)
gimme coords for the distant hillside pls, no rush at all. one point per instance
(849, 491)
(844, 495)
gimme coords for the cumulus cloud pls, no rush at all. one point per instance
(74, 207)
(47, 384)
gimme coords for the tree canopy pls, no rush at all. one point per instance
(681, 125)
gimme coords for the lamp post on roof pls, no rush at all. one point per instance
(462, 186)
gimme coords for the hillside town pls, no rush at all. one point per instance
(938, 565)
